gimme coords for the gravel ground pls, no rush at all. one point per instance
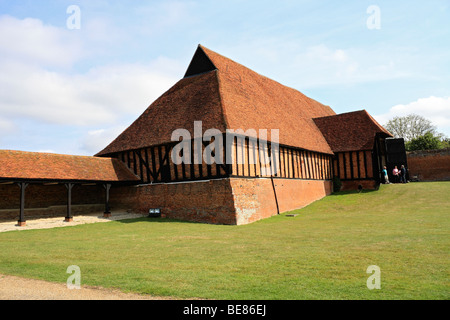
(15, 288)
(46, 223)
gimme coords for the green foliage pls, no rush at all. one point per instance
(445, 143)
(426, 142)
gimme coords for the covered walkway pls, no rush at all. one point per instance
(32, 168)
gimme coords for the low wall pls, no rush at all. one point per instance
(201, 201)
(222, 201)
(368, 184)
(429, 165)
(257, 199)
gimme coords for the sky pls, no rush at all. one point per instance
(75, 74)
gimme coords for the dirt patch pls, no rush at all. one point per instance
(16, 288)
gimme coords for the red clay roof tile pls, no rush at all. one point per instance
(350, 131)
(48, 166)
(253, 101)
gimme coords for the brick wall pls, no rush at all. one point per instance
(353, 184)
(255, 198)
(429, 165)
(201, 201)
(223, 201)
(50, 200)
(220, 201)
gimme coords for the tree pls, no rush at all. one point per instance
(445, 143)
(426, 142)
(410, 127)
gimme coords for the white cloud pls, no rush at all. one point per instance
(38, 44)
(100, 96)
(435, 109)
(323, 65)
(319, 65)
(31, 86)
(40, 87)
(97, 140)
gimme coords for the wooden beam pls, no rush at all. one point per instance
(144, 162)
(22, 222)
(275, 194)
(351, 165)
(107, 212)
(69, 217)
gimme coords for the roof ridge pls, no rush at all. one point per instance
(221, 102)
(344, 113)
(48, 153)
(377, 124)
(207, 51)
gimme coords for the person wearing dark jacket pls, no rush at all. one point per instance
(403, 174)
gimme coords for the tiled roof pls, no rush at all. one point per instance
(350, 131)
(48, 166)
(253, 101)
(226, 95)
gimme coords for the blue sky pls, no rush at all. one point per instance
(73, 91)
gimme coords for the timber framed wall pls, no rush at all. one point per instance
(361, 167)
(355, 168)
(353, 165)
(251, 159)
(154, 165)
(242, 156)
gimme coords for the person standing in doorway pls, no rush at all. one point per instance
(403, 174)
(385, 174)
(395, 173)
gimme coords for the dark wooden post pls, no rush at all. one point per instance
(107, 212)
(22, 222)
(275, 194)
(69, 217)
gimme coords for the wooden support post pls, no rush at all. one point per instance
(22, 222)
(107, 212)
(69, 217)
(275, 194)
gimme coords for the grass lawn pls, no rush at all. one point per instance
(322, 253)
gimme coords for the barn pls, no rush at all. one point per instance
(224, 145)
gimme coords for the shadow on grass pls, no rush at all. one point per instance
(340, 193)
(157, 220)
(296, 211)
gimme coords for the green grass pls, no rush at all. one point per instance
(322, 253)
